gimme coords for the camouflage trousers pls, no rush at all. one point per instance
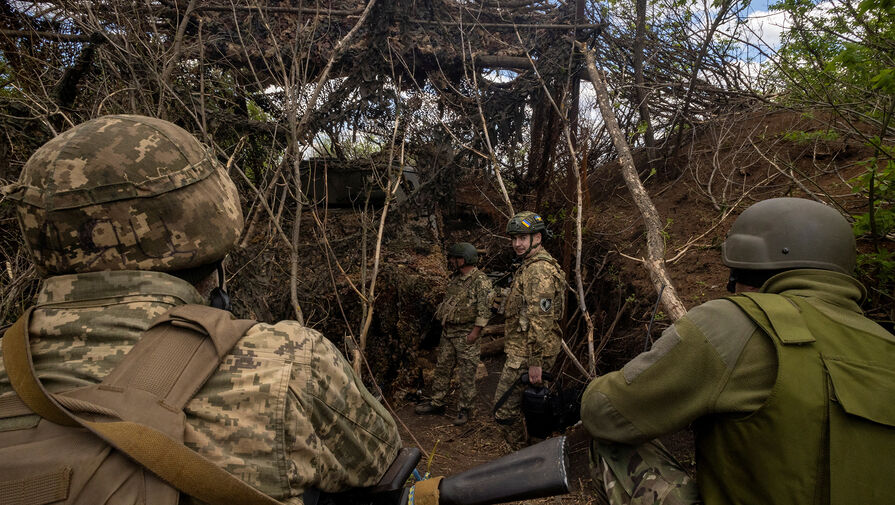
(644, 474)
(509, 415)
(455, 353)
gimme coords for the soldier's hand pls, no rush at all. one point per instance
(534, 374)
(474, 334)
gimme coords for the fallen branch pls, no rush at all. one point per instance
(655, 244)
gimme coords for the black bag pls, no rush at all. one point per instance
(547, 410)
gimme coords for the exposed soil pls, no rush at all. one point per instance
(721, 169)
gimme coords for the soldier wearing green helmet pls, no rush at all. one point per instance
(127, 219)
(788, 386)
(463, 313)
(534, 310)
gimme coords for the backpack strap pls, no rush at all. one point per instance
(156, 376)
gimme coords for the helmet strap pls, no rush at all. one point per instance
(219, 298)
(531, 244)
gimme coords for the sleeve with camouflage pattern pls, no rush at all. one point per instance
(338, 436)
(483, 296)
(539, 292)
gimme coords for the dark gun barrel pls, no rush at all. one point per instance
(534, 472)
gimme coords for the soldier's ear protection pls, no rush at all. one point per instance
(219, 298)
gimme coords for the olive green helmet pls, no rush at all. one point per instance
(786, 233)
(125, 193)
(526, 222)
(466, 251)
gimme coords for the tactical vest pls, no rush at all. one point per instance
(458, 306)
(826, 434)
(120, 441)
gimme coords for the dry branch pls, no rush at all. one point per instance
(655, 243)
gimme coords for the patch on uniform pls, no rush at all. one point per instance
(546, 303)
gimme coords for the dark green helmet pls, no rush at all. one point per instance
(466, 251)
(526, 222)
(125, 193)
(786, 233)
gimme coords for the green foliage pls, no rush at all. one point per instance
(837, 55)
(840, 56)
(803, 137)
(879, 186)
(879, 266)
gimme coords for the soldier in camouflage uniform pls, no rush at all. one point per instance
(533, 308)
(126, 217)
(463, 313)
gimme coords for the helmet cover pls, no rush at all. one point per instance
(125, 192)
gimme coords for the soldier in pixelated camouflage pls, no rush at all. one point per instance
(534, 310)
(126, 217)
(463, 313)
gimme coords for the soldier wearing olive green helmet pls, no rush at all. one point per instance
(127, 218)
(463, 313)
(465, 251)
(534, 310)
(786, 233)
(788, 367)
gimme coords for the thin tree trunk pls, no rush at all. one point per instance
(642, 102)
(370, 298)
(697, 66)
(655, 243)
(173, 60)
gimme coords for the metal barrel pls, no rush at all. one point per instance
(534, 472)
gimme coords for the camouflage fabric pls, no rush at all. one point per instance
(283, 412)
(534, 309)
(466, 304)
(172, 208)
(645, 474)
(509, 415)
(455, 353)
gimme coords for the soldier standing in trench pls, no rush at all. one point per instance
(463, 313)
(534, 310)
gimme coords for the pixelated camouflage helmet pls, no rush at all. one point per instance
(785, 233)
(526, 222)
(466, 251)
(125, 193)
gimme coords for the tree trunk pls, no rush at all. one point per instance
(642, 96)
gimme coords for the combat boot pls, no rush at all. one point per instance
(462, 417)
(428, 408)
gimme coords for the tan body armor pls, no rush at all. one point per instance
(120, 441)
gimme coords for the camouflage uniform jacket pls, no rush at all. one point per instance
(534, 310)
(467, 302)
(283, 412)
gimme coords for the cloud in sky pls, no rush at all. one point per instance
(765, 28)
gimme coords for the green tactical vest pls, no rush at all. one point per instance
(826, 434)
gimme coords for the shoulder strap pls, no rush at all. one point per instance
(155, 450)
(781, 316)
(178, 353)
